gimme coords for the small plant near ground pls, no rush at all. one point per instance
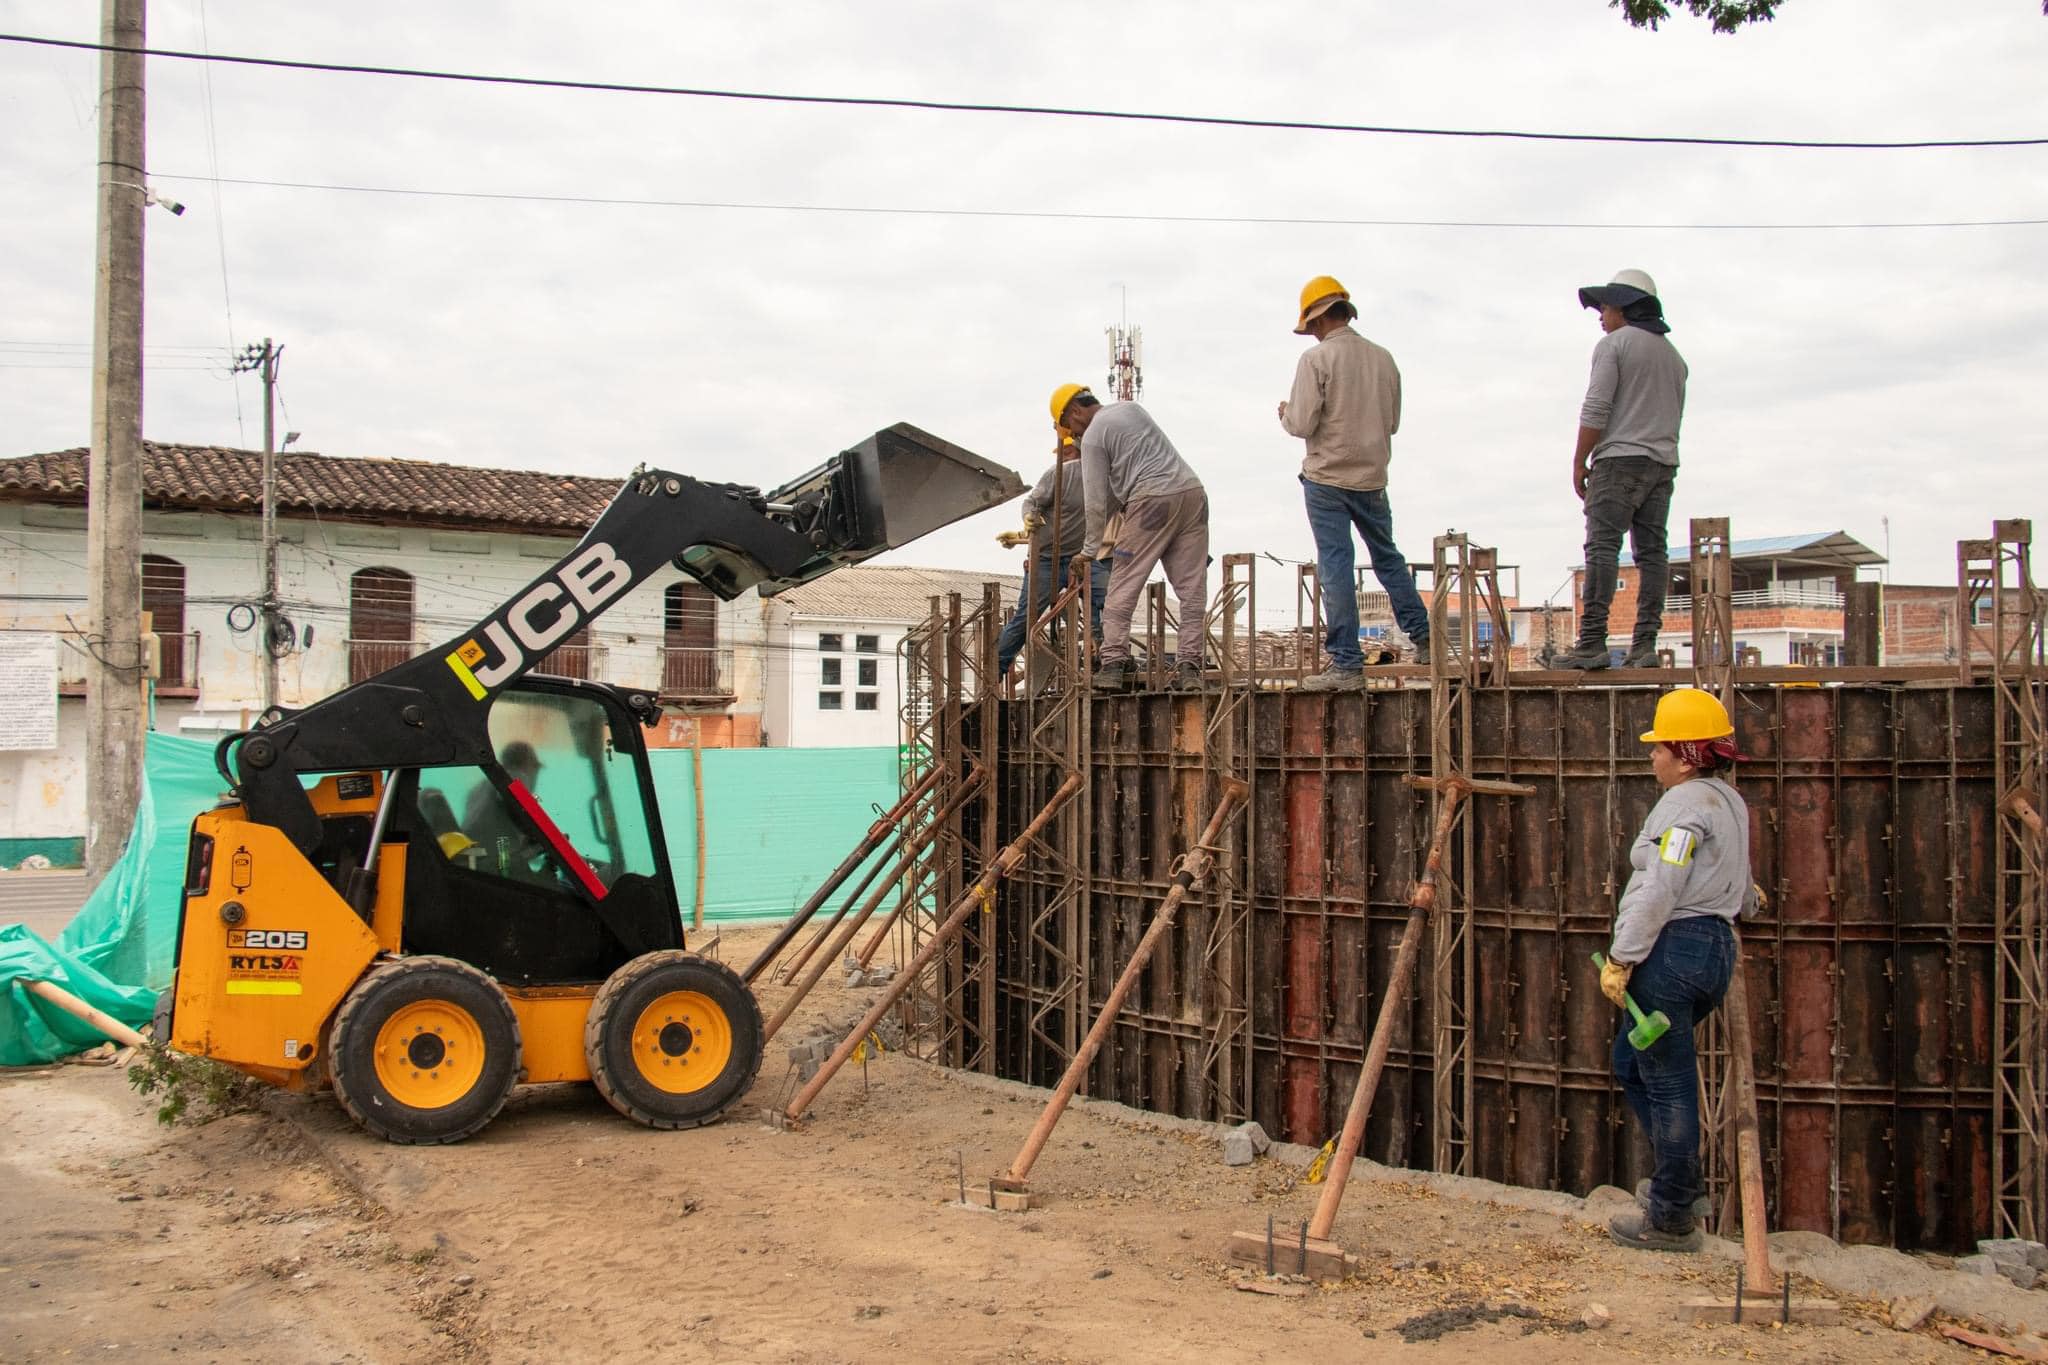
(181, 1080)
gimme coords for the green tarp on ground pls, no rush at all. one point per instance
(777, 821)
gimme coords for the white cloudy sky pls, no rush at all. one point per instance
(1838, 376)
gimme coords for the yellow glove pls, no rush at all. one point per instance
(1614, 983)
(1010, 540)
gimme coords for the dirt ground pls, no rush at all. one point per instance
(563, 1232)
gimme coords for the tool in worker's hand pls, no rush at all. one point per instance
(1649, 1027)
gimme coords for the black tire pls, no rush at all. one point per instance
(715, 1027)
(412, 993)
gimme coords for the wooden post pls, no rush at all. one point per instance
(99, 1019)
(697, 801)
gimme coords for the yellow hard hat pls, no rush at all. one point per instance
(1688, 713)
(1316, 297)
(1062, 396)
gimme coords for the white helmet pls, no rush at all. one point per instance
(1635, 279)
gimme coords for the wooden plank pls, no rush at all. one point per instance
(1320, 1260)
(1764, 1309)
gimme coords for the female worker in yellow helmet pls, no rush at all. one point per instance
(1674, 950)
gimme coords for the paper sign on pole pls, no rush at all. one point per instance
(28, 690)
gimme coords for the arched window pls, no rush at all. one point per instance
(163, 597)
(690, 655)
(380, 622)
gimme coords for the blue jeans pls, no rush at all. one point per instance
(1626, 495)
(1332, 512)
(1044, 582)
(1685, 975)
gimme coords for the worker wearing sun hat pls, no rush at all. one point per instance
(1346, 406)
(1626, 463)
(1674, 950)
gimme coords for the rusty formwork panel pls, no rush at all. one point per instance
(1871, 974)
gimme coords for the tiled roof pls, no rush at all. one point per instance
(217, 478)
(890, 592)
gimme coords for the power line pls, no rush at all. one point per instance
(1044, 214)
(1037, 110)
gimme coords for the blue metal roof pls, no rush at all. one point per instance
(1829, 548)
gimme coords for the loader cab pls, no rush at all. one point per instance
(565, 906)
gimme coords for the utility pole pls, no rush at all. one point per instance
(264, 359)
(114, 715)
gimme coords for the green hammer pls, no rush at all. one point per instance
(1649, 1028)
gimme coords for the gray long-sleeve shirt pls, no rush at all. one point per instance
(1124, 457)
(1346, 403)
(1073, 524)
(1692, 858)
(1636, 396)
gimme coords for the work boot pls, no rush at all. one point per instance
(1188, 677)
(1642, 656)
(1699, 1205)
(1334, 679)
(1634, 1230)
(1585, 657)
(1422, 652)
(1119, 675)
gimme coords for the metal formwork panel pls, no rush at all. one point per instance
(1871, 972)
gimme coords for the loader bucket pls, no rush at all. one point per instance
(891, 488)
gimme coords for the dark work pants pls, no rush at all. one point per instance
(1685, 975)
(1626, 494)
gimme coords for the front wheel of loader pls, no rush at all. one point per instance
(673, 1040)
(424, 1050)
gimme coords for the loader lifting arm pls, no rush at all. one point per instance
(431, 710)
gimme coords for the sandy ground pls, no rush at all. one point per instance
(563, 1232)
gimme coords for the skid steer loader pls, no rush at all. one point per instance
(450, 878)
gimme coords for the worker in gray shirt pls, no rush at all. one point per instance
(1128, 467)
(1055, 523)
(1674, 950)
(1626, 464)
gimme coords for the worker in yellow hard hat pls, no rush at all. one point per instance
(1674, 950)
(1055, 523)
(1346, 407)
(1130, 468)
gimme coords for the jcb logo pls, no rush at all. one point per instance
(541, 617)
(289, 940)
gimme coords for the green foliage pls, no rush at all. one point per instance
(1725, 15)
(179, 1079)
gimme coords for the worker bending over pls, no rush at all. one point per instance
(1129, 467)
(1346, 404)
(1674, 950)
(1626, 463)
(1053, 547)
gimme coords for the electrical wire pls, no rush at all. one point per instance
(1036, 110)
(220, 231)
(1234, 220)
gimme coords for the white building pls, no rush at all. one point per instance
(833, 650)
(378, 559)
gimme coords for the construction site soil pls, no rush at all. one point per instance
(564, 1232)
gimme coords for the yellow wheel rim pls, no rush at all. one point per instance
(430, 1054)
(681, 1042)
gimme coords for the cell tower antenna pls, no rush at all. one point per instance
(1126, 354)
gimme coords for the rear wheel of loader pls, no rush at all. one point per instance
(424, 1050)
(673, 1040)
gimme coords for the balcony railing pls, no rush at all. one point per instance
(574, 661)
(1784, 595)
(696, 671)
(177, 659)
(368, 658)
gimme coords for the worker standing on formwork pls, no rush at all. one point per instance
(1053, 546)
(1346, 404)
(1674, 951)
(1129, 468)
(1626, 463)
